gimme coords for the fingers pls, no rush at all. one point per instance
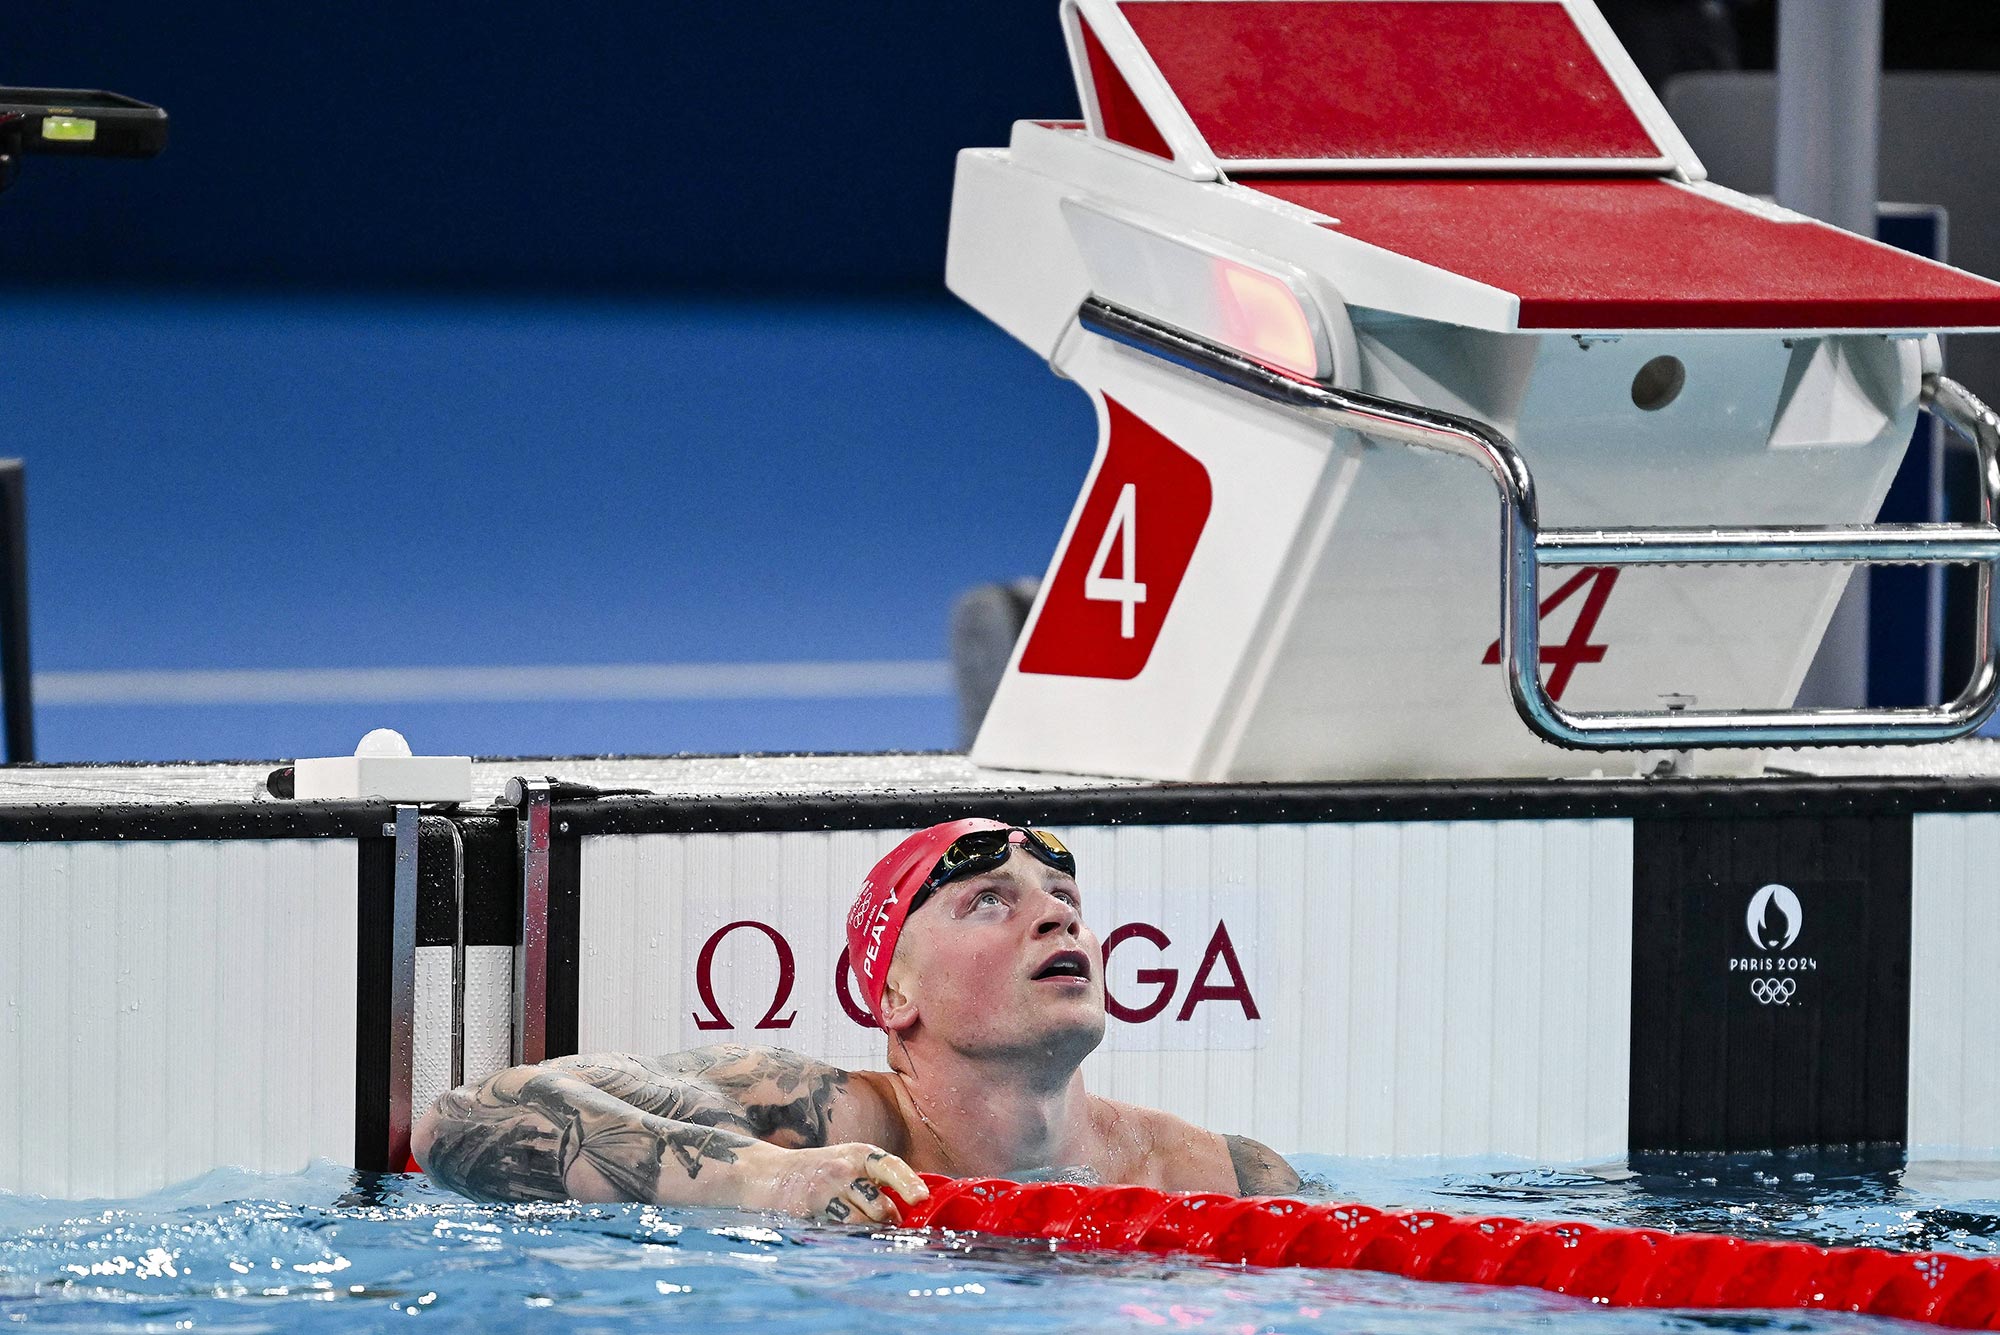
(898, 1176)
(861, 1201)
(871, 1194)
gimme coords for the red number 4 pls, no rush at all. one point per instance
(1566, 657)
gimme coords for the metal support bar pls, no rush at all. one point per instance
(17, 682)
(457, 950)
(403, 987)
(531, 799)
(1524, 547)
(1861, 544)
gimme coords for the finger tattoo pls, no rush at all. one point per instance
(867, 1190)
(837, 1210)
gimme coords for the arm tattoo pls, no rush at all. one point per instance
(517, 1137)
(766, 1093)
(1259, 1169)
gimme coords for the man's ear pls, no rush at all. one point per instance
(899, 1008)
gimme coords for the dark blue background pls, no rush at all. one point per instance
(615, 147)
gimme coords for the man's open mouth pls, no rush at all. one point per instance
(1065, 964)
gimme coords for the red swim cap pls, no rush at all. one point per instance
(876, 919)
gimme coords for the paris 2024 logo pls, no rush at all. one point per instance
(1773, 920)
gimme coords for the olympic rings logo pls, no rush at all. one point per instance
(1773, 992)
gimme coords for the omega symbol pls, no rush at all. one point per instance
(1766, 935)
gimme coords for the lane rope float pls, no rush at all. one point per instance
(1615, 1266)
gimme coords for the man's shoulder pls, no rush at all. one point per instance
(1192, 1158)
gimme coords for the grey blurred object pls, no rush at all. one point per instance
(1936, 148)
(1670, 37)
(1826, 165)
(985, 623)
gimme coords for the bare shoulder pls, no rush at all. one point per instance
(773, 1094)
(1180, 1156)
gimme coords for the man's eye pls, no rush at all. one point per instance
(1068, 897)
(985, 897)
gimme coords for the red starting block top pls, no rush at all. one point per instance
(1288, 80)
(1510, 142)
(1637, 253)
(1289, 85)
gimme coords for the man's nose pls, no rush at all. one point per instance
(1058, 915)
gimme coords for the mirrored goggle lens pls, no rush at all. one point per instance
(1051, 850)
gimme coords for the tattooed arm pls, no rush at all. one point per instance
(1259, 1169)
(717, 1126)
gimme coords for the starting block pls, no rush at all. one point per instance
(1336, 272)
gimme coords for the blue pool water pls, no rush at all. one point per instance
(326, 1250)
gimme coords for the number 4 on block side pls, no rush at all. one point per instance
(1113, 561)
(1124, 590)
(1577, 650)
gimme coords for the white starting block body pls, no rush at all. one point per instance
(1467, 206)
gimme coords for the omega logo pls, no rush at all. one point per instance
(1218, 979)
(704, 978)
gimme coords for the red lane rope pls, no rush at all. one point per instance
(1621, 1267)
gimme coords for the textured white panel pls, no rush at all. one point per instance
(651, 903)
(489, 1010)
(489, 1018)
(1954, 986)
(172, 1007)
(430, 1075)
(1452, 988)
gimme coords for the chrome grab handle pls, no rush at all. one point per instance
(1525, 548)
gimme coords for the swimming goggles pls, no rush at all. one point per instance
(985, 850)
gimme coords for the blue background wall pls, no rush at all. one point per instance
(504, 335)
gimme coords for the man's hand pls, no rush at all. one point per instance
(842, 1183)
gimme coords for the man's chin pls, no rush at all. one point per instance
(1073, 1039)
(1062, 1041)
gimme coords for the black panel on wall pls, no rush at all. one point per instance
(1770, 983)
(375, 921)
(565, 941)
(491, 867)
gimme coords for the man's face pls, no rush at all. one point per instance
(1001, 965)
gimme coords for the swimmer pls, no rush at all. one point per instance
(969, 945)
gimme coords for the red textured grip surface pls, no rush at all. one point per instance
(1621, 1267)
(1594, 253)
(1376, 79)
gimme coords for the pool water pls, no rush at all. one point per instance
(332, 1250)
